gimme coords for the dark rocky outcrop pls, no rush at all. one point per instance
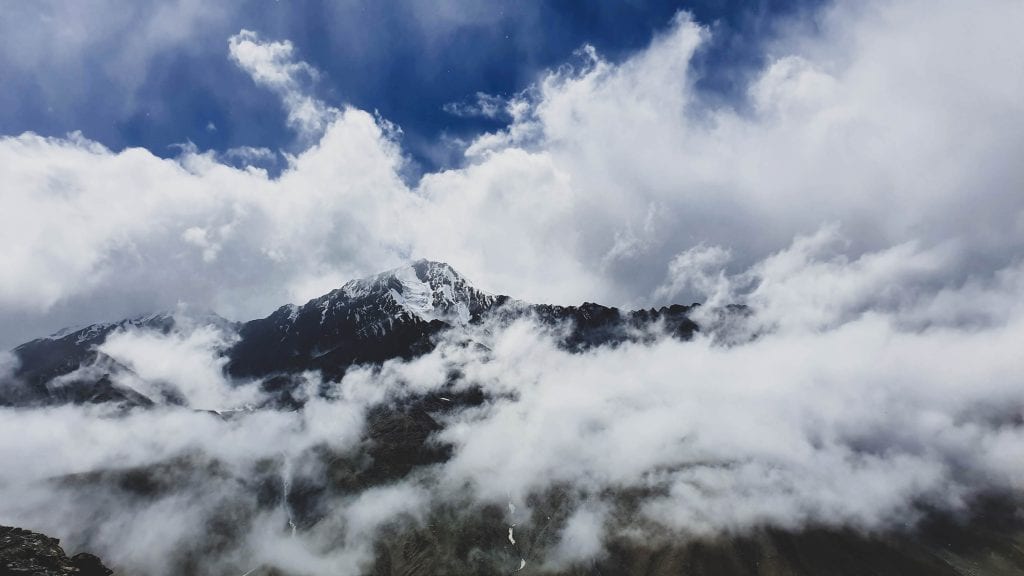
(26, 553)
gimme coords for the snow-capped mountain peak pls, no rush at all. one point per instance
(394, 314)
(370, 319)
(425, 289)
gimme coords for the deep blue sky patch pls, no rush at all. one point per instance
(405, 60)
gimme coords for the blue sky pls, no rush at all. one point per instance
(136, 76)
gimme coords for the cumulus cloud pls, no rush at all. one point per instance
(697, 270)
(87, 225)
(244, 156)
(606, 172)
(835, 134)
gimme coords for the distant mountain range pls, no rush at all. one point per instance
(395, 314)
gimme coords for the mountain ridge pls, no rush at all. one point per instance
(397, 313)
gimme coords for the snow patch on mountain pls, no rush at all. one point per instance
(424, 289)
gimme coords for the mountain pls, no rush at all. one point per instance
(394, 314)
(390, 315)
(68, 366)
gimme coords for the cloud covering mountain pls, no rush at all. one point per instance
(869, 422)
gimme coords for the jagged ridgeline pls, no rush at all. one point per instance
(395, 314)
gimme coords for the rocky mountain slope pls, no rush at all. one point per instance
(395, 314)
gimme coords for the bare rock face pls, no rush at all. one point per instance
(26, 553)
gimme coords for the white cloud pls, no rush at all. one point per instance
(851, 423)
(8, 365)
(485, 105)
(273, 64)
(189, 363)
(872, 122)
(697, 270)
(582, 539)
(85, 225)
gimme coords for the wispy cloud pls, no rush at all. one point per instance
(273, 65)
(484, 105)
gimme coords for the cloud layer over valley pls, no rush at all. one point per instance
(849, 417)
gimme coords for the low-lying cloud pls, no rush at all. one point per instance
(861, 412)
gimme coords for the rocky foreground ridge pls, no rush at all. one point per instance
(26, 553)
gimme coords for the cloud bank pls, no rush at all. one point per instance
(817, 413)
(876, 121)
